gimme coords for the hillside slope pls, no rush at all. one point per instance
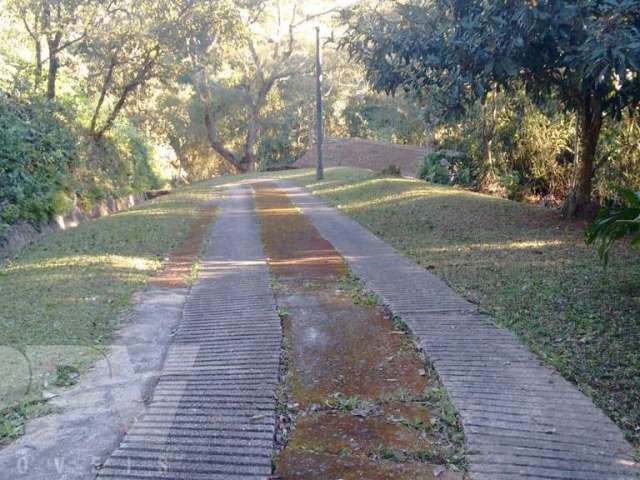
(356, 152)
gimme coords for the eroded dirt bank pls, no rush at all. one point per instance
(355, 383)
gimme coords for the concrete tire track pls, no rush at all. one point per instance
(212, 414)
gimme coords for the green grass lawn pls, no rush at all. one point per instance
(63, 297)
(522, 264)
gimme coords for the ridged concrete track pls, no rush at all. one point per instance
(521, 420)
(212, 415)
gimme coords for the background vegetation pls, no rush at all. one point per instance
(101, 99)
(540, 98)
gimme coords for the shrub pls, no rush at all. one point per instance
(36, 150)
(45, 161)
(618, 157)
(391, 171)
(10, 213)
(61, 203)
(534, 139)
(511, 183)
(614, 222)
(445, 167)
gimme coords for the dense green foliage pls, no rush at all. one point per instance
(101, 99)
(535, 141)
(74, 78)
(615, 222)
(47, 164)
(446, 167)
(36, 151)
(462, 56)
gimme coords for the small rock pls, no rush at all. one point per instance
(422, 372)
(438, 470)
(48, 395)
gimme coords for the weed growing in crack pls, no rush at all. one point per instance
(422, 455)
(285, 416)
(400, 324)
(66, 375)
(344, 452)
(354, 287)
(390, 454)
(196, 266)
(445, 423)
(276, 285)
(416, 424)
(346, 404)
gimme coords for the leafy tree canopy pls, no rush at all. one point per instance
(587, 52)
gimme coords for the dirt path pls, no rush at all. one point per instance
(355, 383)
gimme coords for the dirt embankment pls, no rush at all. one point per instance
(24, 233)
(356, 152)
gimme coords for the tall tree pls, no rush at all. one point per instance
(138, 43)
(587, 52)
(58, 24)
(259, 59)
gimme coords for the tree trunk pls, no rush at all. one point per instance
(588, 126)
(183, 164)
(54, 63)
(488, 132)
(219, 148)
(248, 159)
(106, 84)
(51, 76)
(38, 70)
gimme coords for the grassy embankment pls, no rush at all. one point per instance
(522, 264)
(63, 297)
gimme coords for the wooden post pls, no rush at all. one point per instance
(319, 135)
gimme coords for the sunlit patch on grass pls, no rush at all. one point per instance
(105, 262)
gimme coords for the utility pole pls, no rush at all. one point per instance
(319, 136)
